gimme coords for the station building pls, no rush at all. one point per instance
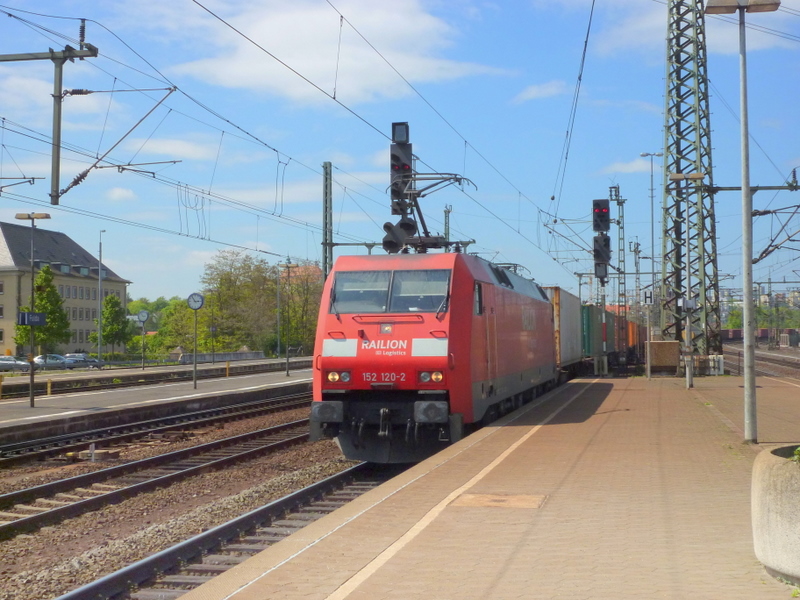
(75, 275)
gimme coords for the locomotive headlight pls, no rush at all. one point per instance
(431, 376)
(339, 377)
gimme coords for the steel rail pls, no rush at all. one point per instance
(17, 452)
(59, 513)
(121, 582)
(779, 361)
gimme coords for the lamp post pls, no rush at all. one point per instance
(213, 329)
(288, 265)
(195, 302)
(717, 7)
(652, 255)
(652, 216)
(32, 218)
(100, 300)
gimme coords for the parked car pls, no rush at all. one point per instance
(81, 360)
(11, 363)
(50, 361)
(75, 362)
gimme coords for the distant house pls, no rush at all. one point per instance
(75, 274)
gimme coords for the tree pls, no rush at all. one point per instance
(304, 285)
(241, 294)
(48, 301)
(177, 328)
(240, 309)
(734, 319)
(117, 329)
(154, 307)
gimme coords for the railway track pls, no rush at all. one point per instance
(32, 508)
(172, 572)
(766, 364)
(16, 453)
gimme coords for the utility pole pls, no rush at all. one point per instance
(622, 291)
(635, 248)
(58, 58)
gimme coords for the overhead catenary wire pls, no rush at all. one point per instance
(562, 166)
(278, 152)
(247, 134)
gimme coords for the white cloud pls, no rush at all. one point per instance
(25, 98)
(199, 258)
(640, 165)
(174, 149)
(273, 199)
(542, 90)
(117, 194)
(305, 35)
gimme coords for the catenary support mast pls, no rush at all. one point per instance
(687, 151)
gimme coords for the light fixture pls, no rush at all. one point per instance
(728, 7)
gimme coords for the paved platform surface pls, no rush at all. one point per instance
(611, 488)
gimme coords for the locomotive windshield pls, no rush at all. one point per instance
(390, 291)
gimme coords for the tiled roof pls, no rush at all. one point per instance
(49, 247)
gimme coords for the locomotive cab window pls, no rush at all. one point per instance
(390, 291)
(360, 292)
(419, 291)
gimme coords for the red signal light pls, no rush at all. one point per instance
(600, 215)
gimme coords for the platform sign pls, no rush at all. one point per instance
(32, 318)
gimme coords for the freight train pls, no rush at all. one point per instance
(412, 350)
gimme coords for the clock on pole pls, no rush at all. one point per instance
(195, 301)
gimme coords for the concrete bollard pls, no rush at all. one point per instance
(776, 512)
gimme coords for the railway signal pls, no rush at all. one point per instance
(401, 171)
(398, 233)
(601, 217)
(601, 272)
(602, 256)
(602, 248)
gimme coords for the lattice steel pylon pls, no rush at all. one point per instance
(689, 267)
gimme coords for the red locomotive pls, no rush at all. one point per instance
(413, 348)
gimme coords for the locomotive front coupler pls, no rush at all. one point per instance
(385, 427)
(357, 431)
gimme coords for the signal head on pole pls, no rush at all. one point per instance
(601, 216)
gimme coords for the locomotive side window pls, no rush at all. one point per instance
(419, 291)
(360, 292)
(478, 298)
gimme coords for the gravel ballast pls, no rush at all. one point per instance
(63, 557)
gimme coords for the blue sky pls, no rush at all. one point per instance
(493, 84)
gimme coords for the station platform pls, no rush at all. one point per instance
(603, 489)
